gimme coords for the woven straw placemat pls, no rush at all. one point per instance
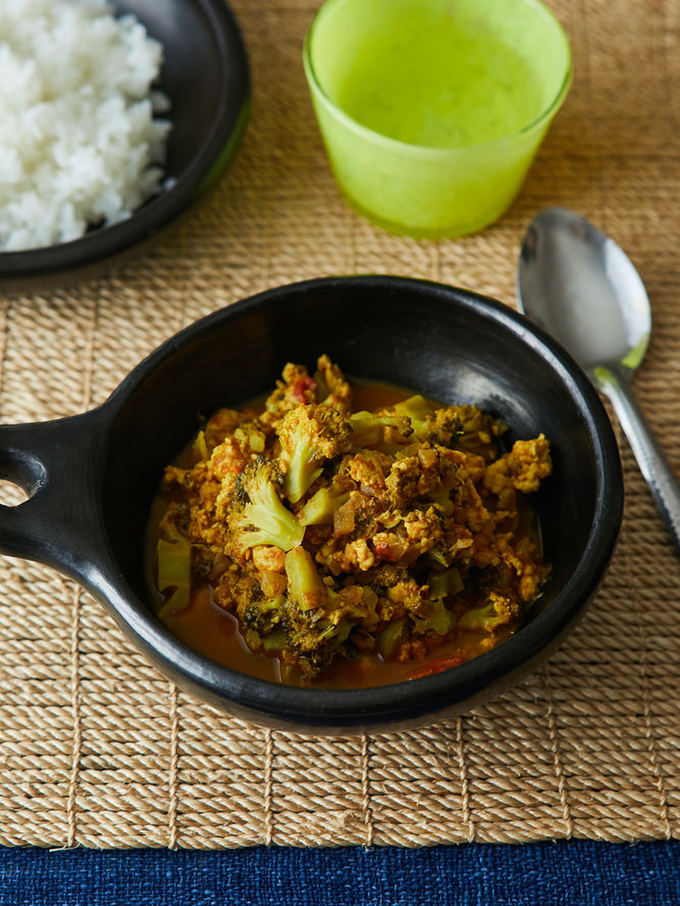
(98, 749)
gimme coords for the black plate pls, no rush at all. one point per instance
(205, 74)
(94, 476)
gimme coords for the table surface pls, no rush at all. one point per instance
(98, 750)
(578, 872)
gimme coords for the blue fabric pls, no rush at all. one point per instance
(579, 872)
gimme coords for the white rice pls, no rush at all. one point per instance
(78, 141)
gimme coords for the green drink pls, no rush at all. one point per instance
(441, 84)
(432, 110)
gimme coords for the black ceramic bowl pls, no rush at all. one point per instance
(205, 75)
(93, 476)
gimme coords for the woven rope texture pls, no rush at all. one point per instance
(98, 749)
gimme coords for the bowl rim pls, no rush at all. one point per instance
(543, 118)
(379, 704)
(156, 213)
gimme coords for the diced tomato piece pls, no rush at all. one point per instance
(390, 552)
(436, 666)
(300, 388)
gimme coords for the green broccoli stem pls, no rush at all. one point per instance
(305, 588)
(322, 505)
(174, 572)
(303, 470)
(368, 429)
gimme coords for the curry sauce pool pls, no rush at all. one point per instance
(347, 536)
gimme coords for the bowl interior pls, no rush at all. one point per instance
(445, 343)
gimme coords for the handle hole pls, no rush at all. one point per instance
(12, 494)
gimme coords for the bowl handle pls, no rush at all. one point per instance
(55, 463)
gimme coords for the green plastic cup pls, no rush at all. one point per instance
(431, 111)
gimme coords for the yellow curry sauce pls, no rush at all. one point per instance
(410, 545)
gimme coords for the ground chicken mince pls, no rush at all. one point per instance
(347, 545)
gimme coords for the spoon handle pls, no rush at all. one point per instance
(650, 458)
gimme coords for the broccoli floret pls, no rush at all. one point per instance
(251, 436)
(264, 519)
(499, 611)
(331, 385)
(438, 617)
(305, 588)
(368, 429)
(464, 428)
(336, 632)
(418, 411)
(309, 436)
(429, 422)
(391, 637)
(476, 432)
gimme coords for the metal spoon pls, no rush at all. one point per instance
(581, 287)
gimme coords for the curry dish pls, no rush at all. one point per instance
(341, 542)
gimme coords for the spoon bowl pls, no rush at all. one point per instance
(581, 287)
